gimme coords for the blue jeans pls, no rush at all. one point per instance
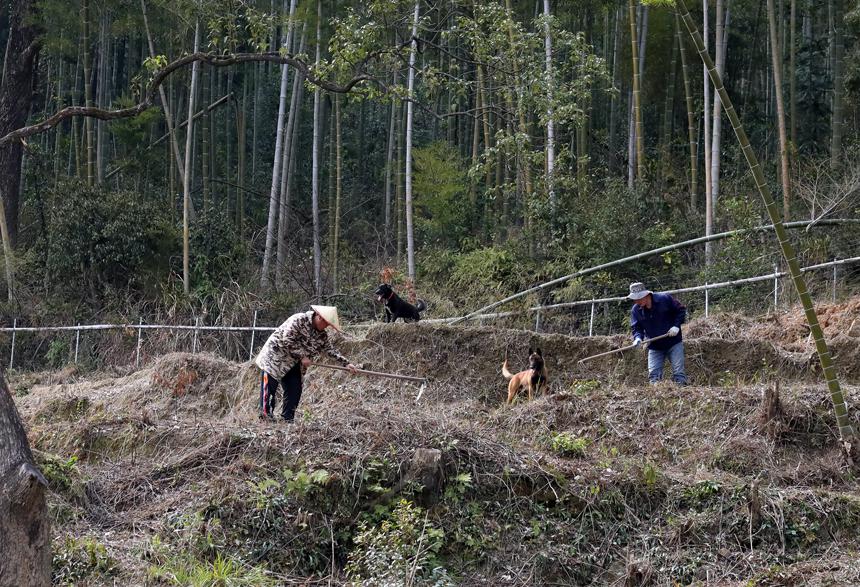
(656, 358)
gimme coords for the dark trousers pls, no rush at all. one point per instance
(292, 384)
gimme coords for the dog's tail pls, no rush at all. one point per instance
(505, 372)
(420, 305)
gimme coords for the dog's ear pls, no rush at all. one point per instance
(540, 353)
(530, 350)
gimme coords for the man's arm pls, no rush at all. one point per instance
(332, 352)
(680, 312)
(636, 325)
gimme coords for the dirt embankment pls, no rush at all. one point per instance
(601, 481)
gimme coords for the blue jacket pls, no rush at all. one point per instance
(665, 313)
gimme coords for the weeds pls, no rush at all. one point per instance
(404, 546)
(568, 445)
(78, 559)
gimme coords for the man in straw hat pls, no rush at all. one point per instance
(288, 352)
(654, 314)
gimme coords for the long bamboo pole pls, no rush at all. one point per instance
(843, 421)
(702, 239)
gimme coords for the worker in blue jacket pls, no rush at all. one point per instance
(655, 314)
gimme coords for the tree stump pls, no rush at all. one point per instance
(25, 540)
(425, 469)
(770, 416)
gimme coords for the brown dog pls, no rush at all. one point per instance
(534, 379)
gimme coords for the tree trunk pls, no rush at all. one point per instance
(706, 125)
(287, 186)
(410, 235)
(258, 68)
(389, 168)
(186, 183)
(637, 112)
(721, 20)
(485, 125)
(205, 129)
(776, 57)
(88, 91)
(522, 158)
(241, 148)
(101, 99)
(287, 163)
(165, 105)
(836, 120)
(550, 117)
(332, 163)
(613, 99)
(792, 75)
(843, 419)
(338, 191)
(668, 109)
(315, 170)
(476, 135)
(399, 147)
(25, 537)
(59, 130)
(692, 175)
(16, 94)
(277, 163)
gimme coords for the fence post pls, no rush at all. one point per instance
(12, 355)
(707, 301)
(196, 326)
(77, 341)
(834, 282)
(537, 321)
(775, 286)
(591, 320)
(139, 337)
(253, 332)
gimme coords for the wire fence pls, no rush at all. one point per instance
(127, 344)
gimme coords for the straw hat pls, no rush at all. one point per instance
(329, 314)
(637, 291)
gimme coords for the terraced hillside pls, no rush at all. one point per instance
(165, 476)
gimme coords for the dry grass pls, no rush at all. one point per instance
(669, 484)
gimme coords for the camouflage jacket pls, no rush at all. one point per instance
(294, 339)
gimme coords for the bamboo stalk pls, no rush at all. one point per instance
(624, 348)
(702, 239)
(373, 373)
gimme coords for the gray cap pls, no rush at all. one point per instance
(638, 291)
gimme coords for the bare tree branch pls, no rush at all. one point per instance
(152, 89)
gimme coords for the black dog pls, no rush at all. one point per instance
(396, 307)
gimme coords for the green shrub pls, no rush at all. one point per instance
(568, 445)
(77, 559)
(58, 353)
(403, 545)
(217, 253)
(58, 471)
(444, 215)
(96, 237)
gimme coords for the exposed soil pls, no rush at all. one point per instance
(601, 481)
